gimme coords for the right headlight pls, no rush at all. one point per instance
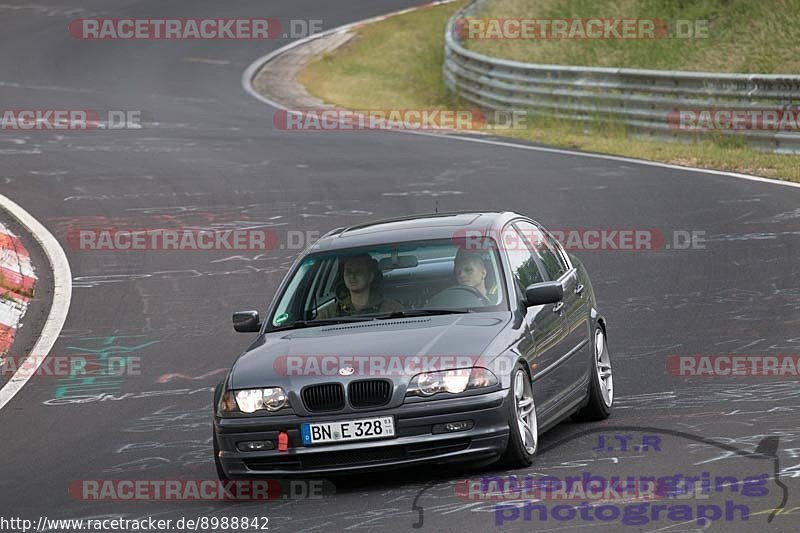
(251, 400)
(452, 381)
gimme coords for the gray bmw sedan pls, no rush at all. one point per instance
(427, 339)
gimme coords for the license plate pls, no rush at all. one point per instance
(348, 430)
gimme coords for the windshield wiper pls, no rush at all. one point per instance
(424, 312)
(297, 324)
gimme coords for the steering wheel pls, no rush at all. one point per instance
(459, 290)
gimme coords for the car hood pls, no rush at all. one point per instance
(293, 358)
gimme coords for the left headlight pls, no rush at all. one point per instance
(452, 381)
(251, 400)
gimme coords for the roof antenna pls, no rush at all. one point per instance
(437, 207)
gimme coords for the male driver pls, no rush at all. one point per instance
(361, 292)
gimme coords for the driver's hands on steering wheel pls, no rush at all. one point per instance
(456, 295)
(474, 291)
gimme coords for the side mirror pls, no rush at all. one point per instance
(246, 321)
(548, 292)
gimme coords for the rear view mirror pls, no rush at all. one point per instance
(400, 261)
(548, 292)
(246, 321)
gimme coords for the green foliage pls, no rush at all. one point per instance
(742, 35)
(397, 64)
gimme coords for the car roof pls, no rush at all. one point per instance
(414, 227)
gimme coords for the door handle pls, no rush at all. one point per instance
(579, 289)
(558, 307)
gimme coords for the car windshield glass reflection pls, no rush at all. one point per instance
(395, 280)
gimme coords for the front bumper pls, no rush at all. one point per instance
(415, 442)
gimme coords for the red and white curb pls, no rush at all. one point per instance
(18, 272)
(17, 282)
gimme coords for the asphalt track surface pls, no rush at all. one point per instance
(207, 154)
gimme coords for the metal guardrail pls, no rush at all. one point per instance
(646, 101)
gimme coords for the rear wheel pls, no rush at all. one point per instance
(523, 438)
(601, 384)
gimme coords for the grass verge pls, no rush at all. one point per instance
(701, 35)
(397, 64)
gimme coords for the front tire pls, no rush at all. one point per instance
(601, 384)
(523, 438)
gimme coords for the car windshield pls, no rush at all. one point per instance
(393, 281)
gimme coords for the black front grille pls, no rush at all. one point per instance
(355, 457)
(370, 392)
(325, 397)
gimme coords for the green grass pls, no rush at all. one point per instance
(742, 35)
(394, 64)
(397, 64)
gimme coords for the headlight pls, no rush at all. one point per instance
(252, 400)
(452, 381)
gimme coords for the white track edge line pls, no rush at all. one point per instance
(62, 295)
(252, 70)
